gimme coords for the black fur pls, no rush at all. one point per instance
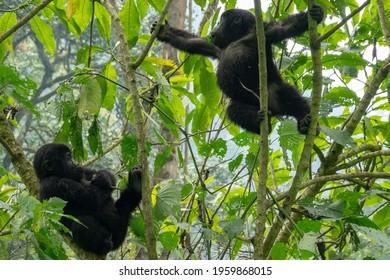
(104, 222)
(234, 43)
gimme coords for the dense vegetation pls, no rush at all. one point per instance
(89, 74)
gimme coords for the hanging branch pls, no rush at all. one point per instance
(24, 20)
(263, 155)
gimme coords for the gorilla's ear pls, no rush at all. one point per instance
(47, 165)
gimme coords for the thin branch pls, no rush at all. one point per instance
(382, 19)
(359, 159)
(148, 45)
(24, 20)
(334, 29)
(337, 177)
(275, 233)
(261, 215)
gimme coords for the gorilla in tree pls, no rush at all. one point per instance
(102, 222)
(234, 43)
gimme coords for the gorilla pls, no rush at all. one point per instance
(102, 222)
(234, 43)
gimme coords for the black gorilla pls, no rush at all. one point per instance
(234, 43)
(102, 222)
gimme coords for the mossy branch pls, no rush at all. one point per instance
(261, 214)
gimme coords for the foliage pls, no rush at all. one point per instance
(73, 83)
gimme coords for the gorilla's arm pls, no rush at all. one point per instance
(75, 193)
(131, 196)
(291, 26)
(186, 41)
(127, 202)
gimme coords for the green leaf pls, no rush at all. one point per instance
(235, 162)
(18, 88)
(376, 236)
(201, 3)
(129, 150)
(339, 136)
(7, 20)
(328, 209)
(83, 14)
(201, 119)
(307, 225)
(382, 217)
(90, 98)
(94, 139)
(142, 6)
(362, 221)
(205, 84)
(233, 227)
(44, 33)
(169, 240)
(76, 138)
(109, 96)
(158, 5)
(131, 22)
(215, 147)
(245, 138)
(28, 204)
(103, 21)
(308, 242)
(83, 54)
(330, 61)
(138, 227)
(168, 199)
(290, 138)
(279, 251)
(342, 96)
(161, 159)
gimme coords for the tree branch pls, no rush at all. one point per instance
(261, 214)
(382, 19)
(22, 165)
(334, 29)
(24, 20)
(145, 51)
(337, 177)
(275, 233)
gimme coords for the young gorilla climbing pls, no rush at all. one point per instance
(102, 222)
(234, 43)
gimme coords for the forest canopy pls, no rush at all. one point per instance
(91, 75)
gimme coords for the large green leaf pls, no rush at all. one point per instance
(7, 20)
(109, 96)
(83, 14)
(167, 199)
(339, 136)
(331, 61)
(90, 98)
(103, 21)
(130, 18)
(158, 5)
(44, 33)
(169, 240)
(94, 138)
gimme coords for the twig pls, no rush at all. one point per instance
(334, 29)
